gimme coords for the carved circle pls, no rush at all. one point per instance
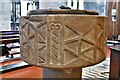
(56, 26)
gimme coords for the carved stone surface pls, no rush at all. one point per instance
(63, 41)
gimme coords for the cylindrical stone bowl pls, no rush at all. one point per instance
(63, 38)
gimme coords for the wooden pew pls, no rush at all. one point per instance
(115, 63)
(9, 37)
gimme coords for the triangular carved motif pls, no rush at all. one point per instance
(42, 24)
(31, 30)
(41, 46)
(85, 45)
(42, 58)
(41, 40)
(73, 45)
(89, 56)
(90, 35)
(32, 40)
(35, 23)
(69, 33)
(42, 32)
(32, 49)
(100, 40)
(69, 57)
(24, 51)
(25, 29)
(31, 54)
(24, 37)
(98, 30)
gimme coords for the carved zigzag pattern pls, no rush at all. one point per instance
(71, 45)
(91, 44)
(28, 37)
(59, 44)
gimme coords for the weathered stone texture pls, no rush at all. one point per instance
(63, 41)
